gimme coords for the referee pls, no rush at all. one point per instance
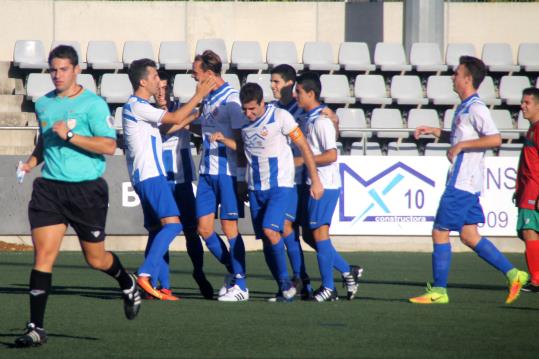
(75, 132)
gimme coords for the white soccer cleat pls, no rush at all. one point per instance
(235, 294)
(228, 283)
(290, 292)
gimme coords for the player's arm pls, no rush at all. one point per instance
(35, 158)
(484, 142)
(94, 144)
(317, 190)
(167, 129)
(228, 142)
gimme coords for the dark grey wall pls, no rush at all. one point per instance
(364, 22)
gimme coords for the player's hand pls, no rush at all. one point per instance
(317, 190)
(243, 193)
(453, 152)
(24, 167)
(206, 86)
(217, 136)
(60, 128)
(426, 130)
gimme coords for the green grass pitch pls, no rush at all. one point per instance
(85, 317)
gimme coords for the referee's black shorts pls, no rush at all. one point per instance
(83, 205)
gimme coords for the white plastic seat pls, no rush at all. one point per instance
(388, 118)
(174, 55)
(87, 81)
(247, 55)
(233, 80)
(103, 55)
(502, 120)
(351, 120)
(440, 91)
(371, 89)
(355, 56)
(528, 56)
(38, 85)
(406, 90)
(455, 51)
(390, 57)
(135, 50)
(340, 148)
(448, 119)
(487, 92)
(511, 88)
(184, 87)
(74, 44)
(522, 123)
(318, 56)
(216, 45)
(426, 57)
(402, 149)
(118, 114)
(510, 149)
(423, 117)
(335, 89)
(370, 149)
(115, 88)
(437, 149)
(29, 54)
(283, 52)
(498, 57)
(264, 81)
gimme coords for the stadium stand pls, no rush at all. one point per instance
(38, 85)
(247, 55)
(184, 87)
(76, 45)
(29, 54)
(134, 50)
(522, 123)
(510, 149)
(528, 57)
(389, 57)
(355, 56)
(318, 56)
(455, 50)
(87, 81)
(115, 88)
(335, 89)
(371, 89)
(402, 149)
(233, 80)
(175, 56)
(283, 52)
(264, 81)
(103, 55)
(448, 118)
(369, 149)
(511, 89)
(498, 57)
(216, 45)
(407, 90)
(426, 57)
(440, 91)
(351, 120)
(436, 149)
(418, 117)
(118, 119)
(503, 121)
(388, 118)
(487, 92)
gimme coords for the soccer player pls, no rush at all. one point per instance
(221, 176)
(527, 188)
(141, 123)
(76, 131)
(321, 136)
(472, 132)
(180, 172)
(270, 175)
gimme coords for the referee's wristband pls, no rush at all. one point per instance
(240, 174)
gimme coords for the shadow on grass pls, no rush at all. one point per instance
(520, 308)
(11, 345)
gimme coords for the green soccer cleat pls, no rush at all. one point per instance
(517, 279)
(434, 295)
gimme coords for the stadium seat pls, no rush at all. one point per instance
(423, 117)
(402, 149)
(502, 120)
(246, 55)
(134, 50)
(437, 149)
(355, 56)
(233, 80)
(511, 88)
(216, 45)
(340, 149)
(350, 121)
(174, 55)
(371, 89)
(115, 88)
(448, 119)
(318, 56)
(390, 57)
(487, 92)
(102, 55)
(426, 57)
(498, 57)
(74, 44)
(282, 52)
(184, 87)
(440, 91)
(118, 118)
(29, 54)
(38, 85)
(522, 123)
(406, 90)
(335, 89)
(264, 81)
(528, 56)
(87, 81)
(510, 149)
(455, 51)
(369, 149)
(388, 118)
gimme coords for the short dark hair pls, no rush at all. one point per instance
(64, 52)
(310, 81)
(287, 72)
(476, 68)
(163, 75)
(138, 70)
(209, 60)
(531, 91)
(251, 92)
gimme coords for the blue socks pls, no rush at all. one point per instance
(279, 256)
(237, 260)
(441, 263)
(339, 263)
(487, 251)
(295, 255)
(268, 256)
(157, 249)
(218, 248)
(324, 254)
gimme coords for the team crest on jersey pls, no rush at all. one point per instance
(44, 124)
(110, 121)
(71, 123)
(264, 132)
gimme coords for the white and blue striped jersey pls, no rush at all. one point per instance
(140, 122)
(472, 120)
(269, 156)
(321, 136)
(177, 159)
(221, 111)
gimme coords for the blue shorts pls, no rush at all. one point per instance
(268, 209)
(458, 208)
(185, 200)
(157, 201)
(321, 211)
(215, 190)
(291, 205)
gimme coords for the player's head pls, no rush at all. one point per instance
(206, 64)
(63, 67)
(308, 89)
(163, 93)
(530, 104)
(469, 74)
(252, 100)
(143, 76)
(283, 78)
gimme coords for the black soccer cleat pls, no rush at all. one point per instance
(33, 337)
(324, 294)
(351, 281)
(204, 286)
(132, 299)
(530, 288)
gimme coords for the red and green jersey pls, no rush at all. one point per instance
(527, 186)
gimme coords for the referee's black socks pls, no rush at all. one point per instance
(40, 286)
(118, 272)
